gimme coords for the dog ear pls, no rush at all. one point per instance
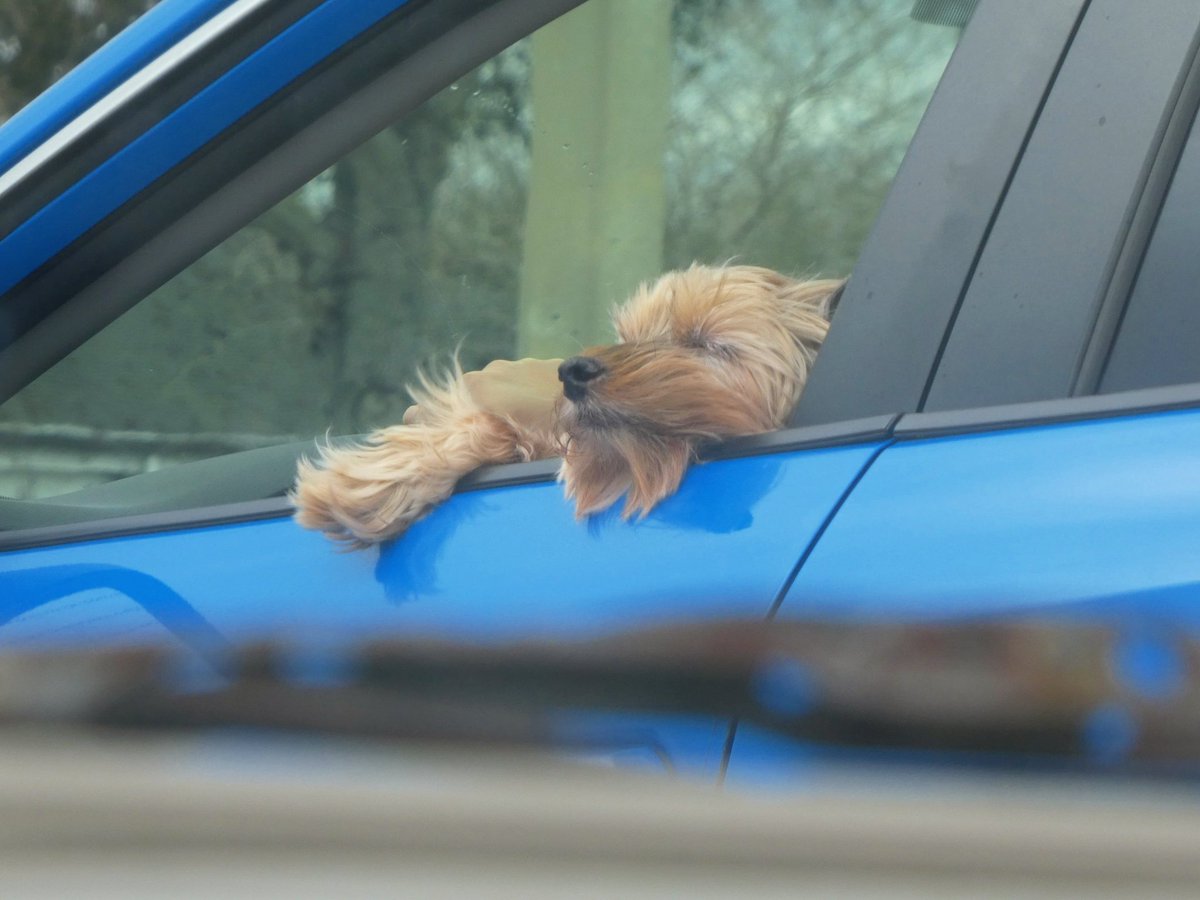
(644, 469)
(594, 476)
(819, 296)
(657, 467)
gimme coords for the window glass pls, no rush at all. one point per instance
(505, 217)
(1158, 341)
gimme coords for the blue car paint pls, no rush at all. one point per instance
(1094, 520)
(488, 565)
(145, 39)
(1097, 518)
(1091, 518)
(187, 129)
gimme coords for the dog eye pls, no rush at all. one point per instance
(710, 347)
(723, 351)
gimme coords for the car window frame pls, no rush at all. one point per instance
(91, 133)
(1084, 341)
(1123, 296)
(907, 286)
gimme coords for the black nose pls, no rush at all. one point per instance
(576, 372)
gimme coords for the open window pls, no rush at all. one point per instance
(505, 215)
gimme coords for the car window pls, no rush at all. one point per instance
(1158, 340)
(505, 217)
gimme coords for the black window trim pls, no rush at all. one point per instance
(1146, 401)
(874, 429)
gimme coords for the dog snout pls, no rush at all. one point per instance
(576, 372)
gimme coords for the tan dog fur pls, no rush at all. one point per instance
(705, 353)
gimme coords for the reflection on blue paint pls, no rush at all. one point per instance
(1109, 734)
(765, 758)
(703, 508)
(318, 663)
(493, 564)
(188, 673)
(785, 688)
(24, 591)
(1086, 519)
(1090, 521)
(1149, 664)
(513, 562)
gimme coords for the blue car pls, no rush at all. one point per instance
(243, 224)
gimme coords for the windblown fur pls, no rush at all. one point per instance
(705, 353)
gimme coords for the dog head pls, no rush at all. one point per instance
(705, 353)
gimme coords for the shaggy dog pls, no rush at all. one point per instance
(704, 354)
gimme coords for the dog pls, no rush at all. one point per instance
(704, 353)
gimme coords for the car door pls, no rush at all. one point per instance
(168, 268)
(1051, 471)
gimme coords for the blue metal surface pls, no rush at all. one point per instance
(202, 118)
(1097, 518)
(490, 564)
(494, 564)
(142, 41)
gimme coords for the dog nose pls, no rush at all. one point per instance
(576, 372)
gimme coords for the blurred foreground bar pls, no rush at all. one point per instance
(1107, 695)
(84, 816)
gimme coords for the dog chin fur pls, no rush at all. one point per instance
(704, 353)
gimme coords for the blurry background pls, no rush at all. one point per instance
(509, 213)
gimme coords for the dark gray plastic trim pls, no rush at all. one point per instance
(149, 523)
(906, 286)
(112, 519)
(914, 426)
(1118, 295)
(1035, 295)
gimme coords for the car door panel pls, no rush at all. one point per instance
(497, 563)
(1072, 508)
(1091, 517)
(491, 564)
(1088, 521)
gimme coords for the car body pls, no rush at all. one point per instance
(1003, 421)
